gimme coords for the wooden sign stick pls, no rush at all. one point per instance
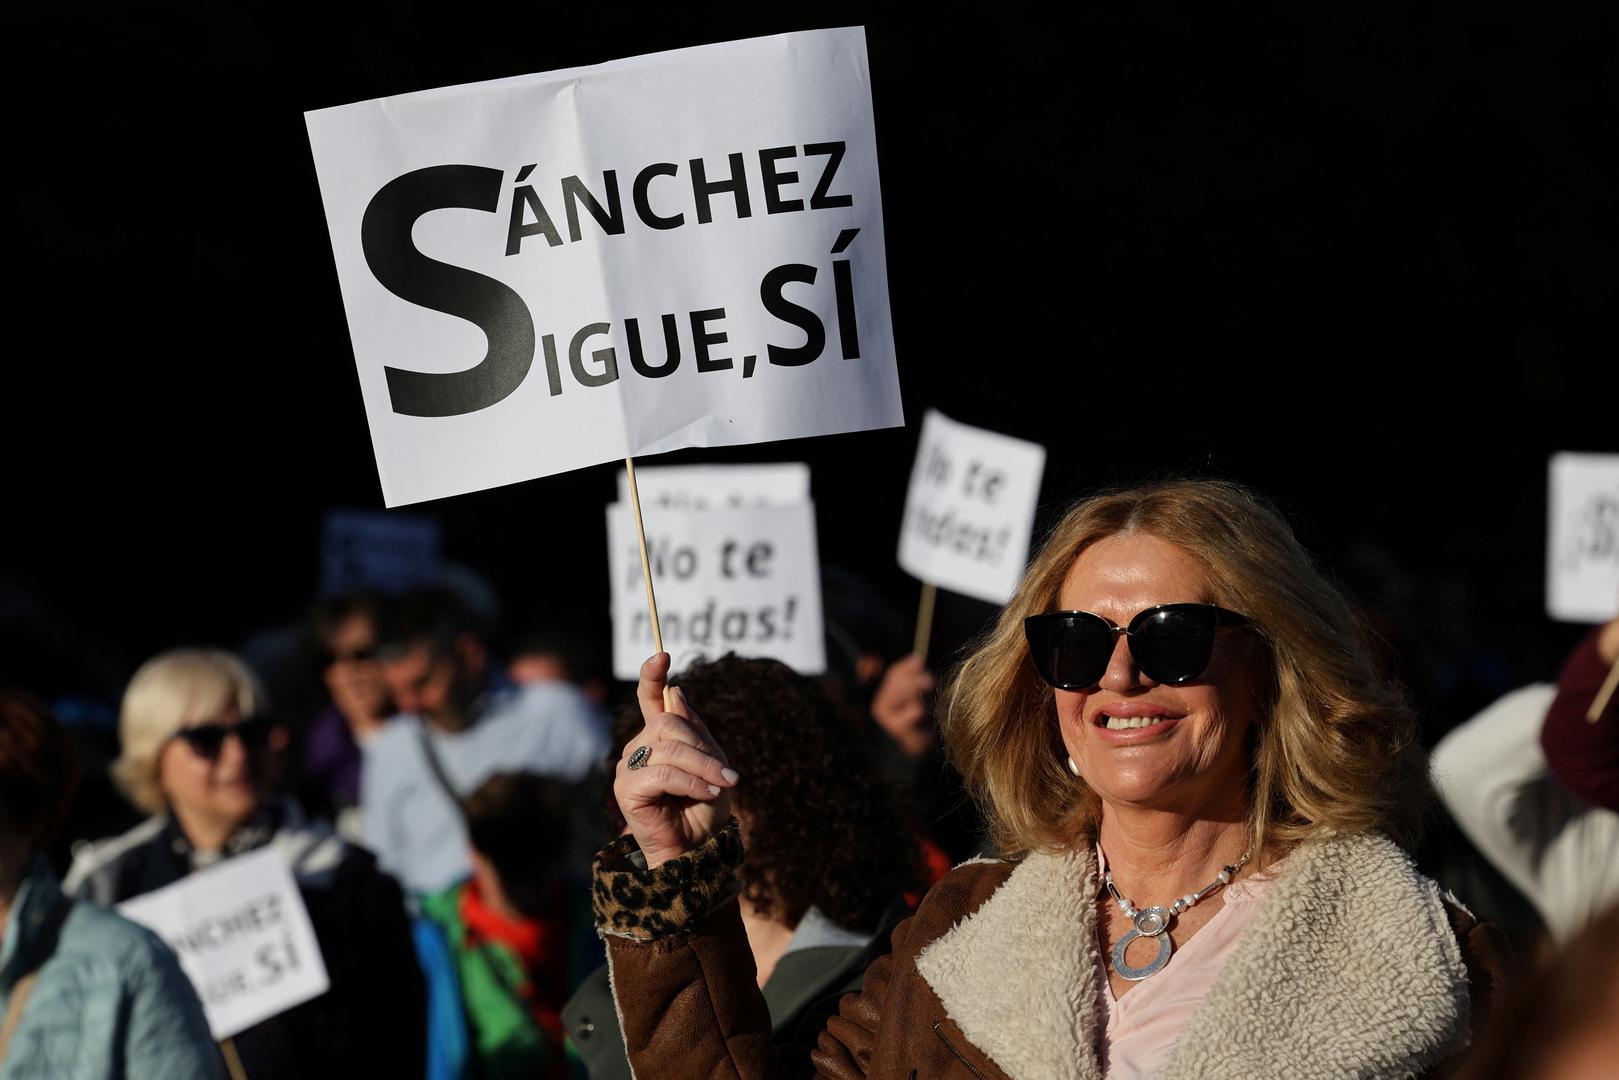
(924, 619)
(646, 570)
(1604, 695)
(233, 1061)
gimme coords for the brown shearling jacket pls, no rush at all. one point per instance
(1355, 966)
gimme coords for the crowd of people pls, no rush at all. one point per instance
(1191, 843)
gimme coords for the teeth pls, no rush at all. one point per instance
(1124, 723)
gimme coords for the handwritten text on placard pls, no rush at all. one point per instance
(970, 508)
(1582, 554)
(736, 580)
(717, 487)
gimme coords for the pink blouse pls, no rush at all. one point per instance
(1143, 1025)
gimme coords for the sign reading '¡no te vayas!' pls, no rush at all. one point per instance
(547, 272)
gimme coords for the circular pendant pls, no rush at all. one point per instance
(1152, 921)
(1153, 966)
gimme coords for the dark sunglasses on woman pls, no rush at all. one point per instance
(364, 654)
(1170, 643)
(208, 740)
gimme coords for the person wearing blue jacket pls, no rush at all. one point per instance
(84, 993)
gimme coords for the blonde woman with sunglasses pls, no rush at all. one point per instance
(1200, 792)
(199, 756)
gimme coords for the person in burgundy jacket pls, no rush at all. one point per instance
(1535, 786)
(1583, 754)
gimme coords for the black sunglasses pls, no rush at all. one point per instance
(353, 656)
(208, 740)
(1170, 643)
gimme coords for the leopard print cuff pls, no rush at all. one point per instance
(647, 905)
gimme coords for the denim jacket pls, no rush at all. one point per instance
(110, 1002)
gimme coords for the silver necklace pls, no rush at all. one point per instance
(1154, 922)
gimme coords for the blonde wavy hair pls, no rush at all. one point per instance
(170, 691)
(1334, 748)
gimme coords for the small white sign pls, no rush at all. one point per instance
(738, 580)
(716, 487)
(551, 271)
(243, 937)
(1582, 552)
(970, 509)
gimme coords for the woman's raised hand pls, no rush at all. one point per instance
(678, 793)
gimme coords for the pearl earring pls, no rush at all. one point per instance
(1073, 768)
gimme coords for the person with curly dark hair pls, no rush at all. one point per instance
(828, 857)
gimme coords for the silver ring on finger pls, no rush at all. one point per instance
(639, 758)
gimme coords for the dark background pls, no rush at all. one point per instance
(1363, 257)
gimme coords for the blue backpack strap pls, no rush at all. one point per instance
(449, 1046)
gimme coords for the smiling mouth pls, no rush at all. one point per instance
(1127, 723)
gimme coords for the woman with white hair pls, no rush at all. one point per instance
(198, 754)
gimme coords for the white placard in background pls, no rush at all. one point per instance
(714, 487)
(970, 508)
(742, 580)
(547, 272)
(1582, 551)
(243, 937)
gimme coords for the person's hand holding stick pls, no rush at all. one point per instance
(900, 705)
(673, 781)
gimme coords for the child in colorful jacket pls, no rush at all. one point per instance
(519, 932)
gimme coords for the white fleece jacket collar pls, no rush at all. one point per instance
(1348, 969)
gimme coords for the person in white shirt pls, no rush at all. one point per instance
(1559, 850)
(459, 724)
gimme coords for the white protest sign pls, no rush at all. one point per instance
(711, 487)
(243, 937)
(970, 508)
(736, 580)
(1582, 550)
(547, 272)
